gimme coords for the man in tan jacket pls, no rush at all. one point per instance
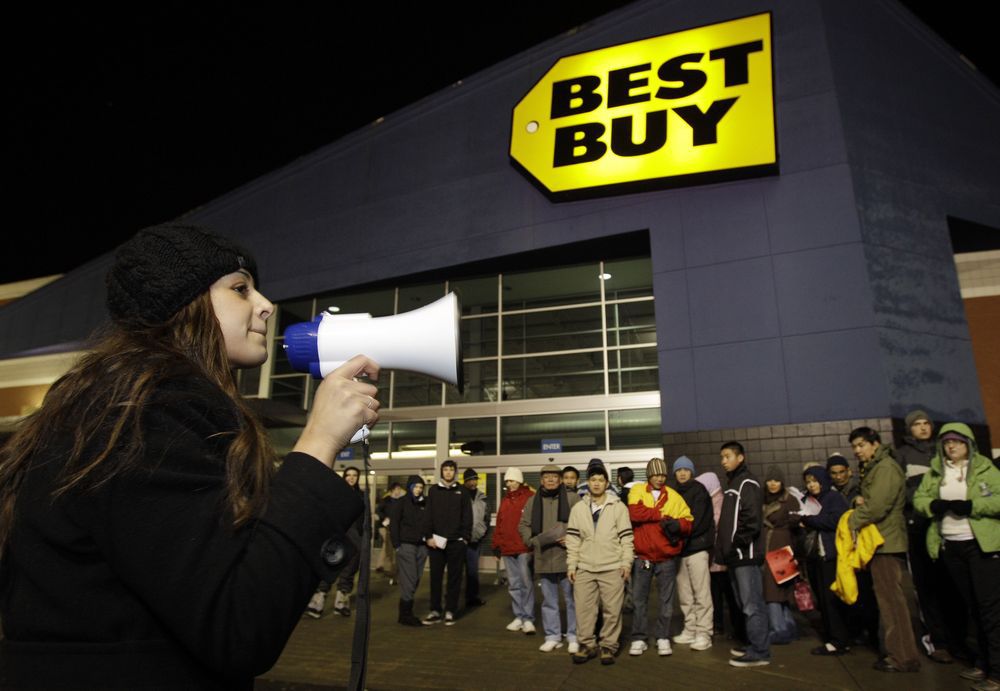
(599, 555)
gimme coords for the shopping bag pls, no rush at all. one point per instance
(803, 596)
(782, 564)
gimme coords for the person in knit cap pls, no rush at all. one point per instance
(843, 478)
(406, 530)
(694, 584)
(599, 555)
(662, 522)
(470, 481)
(543, 528)
(780, 519)
(149, 537)
(516, 555)
(739, 545)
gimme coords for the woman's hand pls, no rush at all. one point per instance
(341, 406)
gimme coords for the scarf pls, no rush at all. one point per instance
(562, 515)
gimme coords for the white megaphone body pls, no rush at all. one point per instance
(427, 340)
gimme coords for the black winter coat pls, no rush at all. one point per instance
(740, 538)
(703, 528)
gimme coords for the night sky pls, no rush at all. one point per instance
(121, 116)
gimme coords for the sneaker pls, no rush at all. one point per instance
(942, 656)
(663, 647)
(737, 652)
(637, 648)
(607, 656)
(701, 642)
(549, 646)
(315, 607)
(829, 649)
(972, 674)
(584, 654)
(986, 685)
(515, 625)
(685, 637)
(528, 627)
(745, 661)
(573, 648)
(432, 618)
(449, 619)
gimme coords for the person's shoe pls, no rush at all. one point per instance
(829, 649)
(406, 617)
(884, 665)
(342, 604)
(584, 654)
(392, 581)
(478, 602)
(737, 652)
(702, 642)
(432, 618)
(528, 627)
(573, 648)
(973, 674)
(515, 625)
(637, 648)
(745, 661)
(685, 637)
(549, 646)
(316, 603)
(449, 619)
(607, 657)
(986, 685)
(942, 656)
(663, 647)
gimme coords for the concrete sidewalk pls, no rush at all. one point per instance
(478, 653)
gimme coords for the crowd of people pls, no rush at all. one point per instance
(928, 508)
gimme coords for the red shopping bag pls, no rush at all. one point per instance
(782, 564)
(803, 596)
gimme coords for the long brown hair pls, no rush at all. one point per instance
(100, 402)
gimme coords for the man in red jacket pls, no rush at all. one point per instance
(661, 521)
(516, 555)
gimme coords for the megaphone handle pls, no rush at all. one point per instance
(360, 435)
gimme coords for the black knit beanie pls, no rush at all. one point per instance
(163, 268)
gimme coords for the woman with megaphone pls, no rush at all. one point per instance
(146, 538)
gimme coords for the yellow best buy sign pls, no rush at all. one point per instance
(682, 108)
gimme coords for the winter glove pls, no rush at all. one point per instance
(939, 506)
(671, 527)
(961, 507)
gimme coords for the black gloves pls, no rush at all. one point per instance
(959, 507)
(671, 527)
(939, 506)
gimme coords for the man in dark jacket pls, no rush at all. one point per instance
(944, 630)
(843, 478)
(406, 532)
(740, 546)
(470, 480)
(694, 585)
(448, 527)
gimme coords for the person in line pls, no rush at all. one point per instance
(599, 553)
(448, 525)
(723, 599)
(516, 555)
(345, 581)
(661, 521)
(625, 478)
(821, 563)
(780, 508)
(943, 628)
(694, 583)
(387, 558)
(843, 478)
(570, 478)
(543, 528)
(961, 496)
(470, 480)
(146, 536)
(740, 546)
(883, 494)
(406, 531)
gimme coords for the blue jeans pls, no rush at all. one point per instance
(781, 626)
(551, 584)
(642, 578)
(749, 592)
(520, 586)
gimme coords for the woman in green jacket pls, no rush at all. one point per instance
(961, 493)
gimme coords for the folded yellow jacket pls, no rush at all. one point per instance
(853, 555)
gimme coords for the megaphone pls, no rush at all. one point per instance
(427, 340)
